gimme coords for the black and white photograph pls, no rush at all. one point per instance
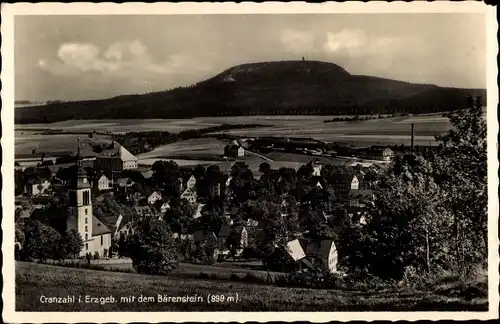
(302, 160)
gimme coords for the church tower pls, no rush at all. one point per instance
(80, 204)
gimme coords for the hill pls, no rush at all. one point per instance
(268, 88)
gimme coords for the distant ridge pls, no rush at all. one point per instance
(266, 88)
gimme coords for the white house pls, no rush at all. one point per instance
(103, 183)
(189, 195)
(39, 188)
(154, 197)
(191, 183)
(197, 212)
(164, 207)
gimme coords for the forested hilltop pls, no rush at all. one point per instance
(267, 88)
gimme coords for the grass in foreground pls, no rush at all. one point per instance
(34, 280)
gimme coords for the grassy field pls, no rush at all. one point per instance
(34, 280)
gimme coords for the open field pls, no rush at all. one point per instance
(27, 141)
(124, 125)
(34, 280)
(205, 146)
(360, 133)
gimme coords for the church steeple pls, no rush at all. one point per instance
(80, 181)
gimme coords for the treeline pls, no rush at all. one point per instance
(357, 117)
(141, 142)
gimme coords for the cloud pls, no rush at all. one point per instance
(347, 40)
(120, 59)
(296, 41)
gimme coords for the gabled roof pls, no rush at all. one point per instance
(125, 155)
(98, 228)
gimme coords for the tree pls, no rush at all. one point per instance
(41, 241)
(462, 172)
(71, 244)
(152, 248)
(166, 175)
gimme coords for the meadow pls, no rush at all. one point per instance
(34, 280)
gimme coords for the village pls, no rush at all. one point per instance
(182, 196)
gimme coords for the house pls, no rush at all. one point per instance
(154, 197)
(189, 195)
(103, 183)
(240, 234)
(191, 182)
(143, 211)
(115, 159)
(214, 190)
(198, 210)
(234, 151)
(378, 153)
(360, 198)
(38, 187)
(316, 165)
(345, 182)
(125, 229)
(164, 207)
(125, 183)
(323, 251)
(208, 239)
(147, 174)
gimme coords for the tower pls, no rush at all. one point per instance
(80, 204)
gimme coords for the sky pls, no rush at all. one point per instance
(68, 57)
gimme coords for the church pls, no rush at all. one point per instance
(95, 235)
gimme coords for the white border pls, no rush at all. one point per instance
(7, 141)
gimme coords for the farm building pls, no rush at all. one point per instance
(234, 151)
(378, 153)
(116, 159)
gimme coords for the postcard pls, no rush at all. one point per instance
(274, 161)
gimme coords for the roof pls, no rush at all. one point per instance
(360, 194)
(142, 209)
(125, 155)
(98, 228)
(147, 174)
